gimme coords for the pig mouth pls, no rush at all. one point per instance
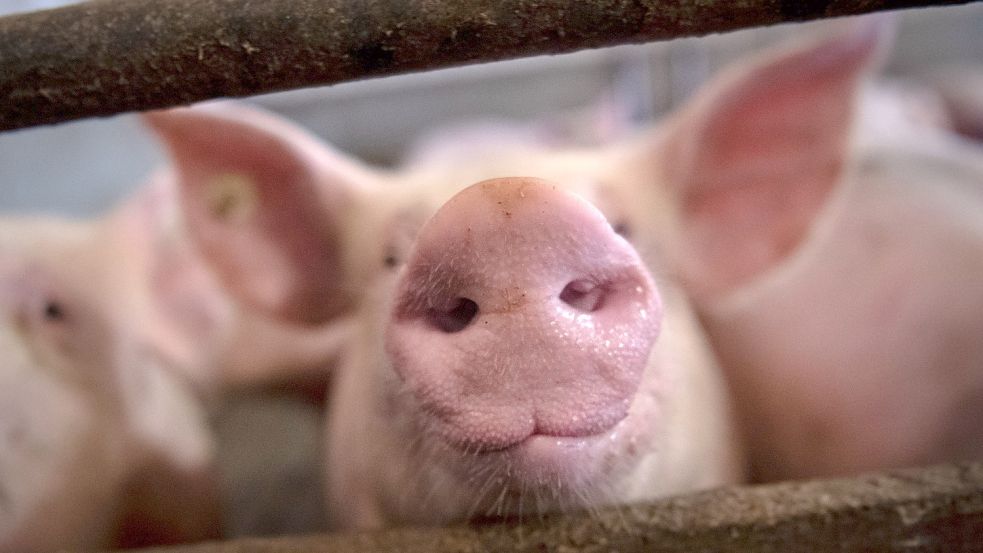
(562, 442)
(548, 461)
(516, 435)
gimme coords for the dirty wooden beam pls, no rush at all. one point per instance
(935, 509)
(106, 56)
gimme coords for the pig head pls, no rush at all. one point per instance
(527, 343)
(518, 345)
(518, 356)
(563, 375)
(118, 332)
(101, 442)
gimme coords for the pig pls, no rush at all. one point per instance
(528, 343)
(523, 323)
(855, 346)
(119, 335)
(629, 403)
(102, 442)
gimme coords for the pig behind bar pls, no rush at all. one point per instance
(103, 436)
(526, 344)
(513, 326)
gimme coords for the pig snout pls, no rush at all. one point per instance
(520, 314)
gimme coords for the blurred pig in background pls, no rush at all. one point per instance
(117, 333)
(103, 438)
(856, 346)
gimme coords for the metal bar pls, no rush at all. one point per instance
(107, 56)
(935, 509)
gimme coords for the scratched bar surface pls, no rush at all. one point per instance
(104, 57)
(934, 509)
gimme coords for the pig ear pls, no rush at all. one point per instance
(263, 202)
(752, 161)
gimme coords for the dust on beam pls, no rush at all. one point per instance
(104, 57)
(934, 509)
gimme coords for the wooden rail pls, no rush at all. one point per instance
(105, 56)
(935, 509)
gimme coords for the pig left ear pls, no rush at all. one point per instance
(753, 160)
(264, 202)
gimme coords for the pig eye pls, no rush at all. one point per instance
(622, 228)
(390, 260)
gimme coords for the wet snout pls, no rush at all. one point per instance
(521, 313)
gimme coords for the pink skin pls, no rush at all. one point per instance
(421, 426)
(834, 256)
(116, 331)
(656, 424)
(257, 204)
(516, 364)
(891, 277)
(518, 262)
(103, 442)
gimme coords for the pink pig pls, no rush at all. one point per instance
(852, 339)
(527, 345)
(102, 442)
(510, 352)
(117, 333)
(524, 345)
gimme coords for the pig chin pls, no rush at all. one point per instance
(566, 465)
(544, 473)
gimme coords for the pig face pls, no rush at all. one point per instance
(89, 412)
(485, 345)
(518, 358)
(610, 417)
(525, 344)
(116, 331)
(50, 428)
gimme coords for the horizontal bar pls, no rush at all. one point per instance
(104, 57)
(934, 509)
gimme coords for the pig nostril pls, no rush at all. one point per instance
(456, 318)
(583, 295)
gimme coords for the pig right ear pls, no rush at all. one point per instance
(264, 203)
(754, 159)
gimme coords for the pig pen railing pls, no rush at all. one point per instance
(104, 57)
(935, 509)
